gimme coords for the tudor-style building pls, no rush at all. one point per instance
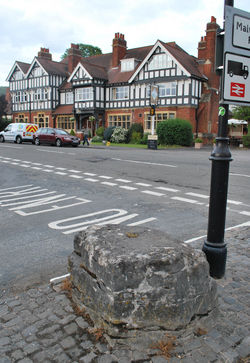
(115, 87)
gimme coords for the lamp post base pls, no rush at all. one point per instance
(216, 257)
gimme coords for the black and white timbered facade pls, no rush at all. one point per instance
(114, 88)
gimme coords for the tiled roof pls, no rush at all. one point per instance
(24, 66)
(53, 67)
(64, 109)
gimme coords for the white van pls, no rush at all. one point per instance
(18, 132)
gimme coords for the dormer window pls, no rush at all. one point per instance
(127, 65)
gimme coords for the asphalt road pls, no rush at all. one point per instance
(47, 194)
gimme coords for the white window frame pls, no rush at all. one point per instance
(167, 89)
(120, 93)
(84, 94)
(160, 61)
(69, 98)
(127, 65)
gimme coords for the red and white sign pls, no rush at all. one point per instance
(236, 85)
(237, 89)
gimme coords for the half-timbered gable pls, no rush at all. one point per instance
(115, 88)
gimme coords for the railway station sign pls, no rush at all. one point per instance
(236, 80)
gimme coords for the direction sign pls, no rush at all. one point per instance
(241, 32)
(236, 79)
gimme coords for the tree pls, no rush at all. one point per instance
(3, 105)
(242, 113)
(86, 50)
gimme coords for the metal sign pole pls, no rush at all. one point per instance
(214, 247)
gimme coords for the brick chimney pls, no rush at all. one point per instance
(74, 56)
(44, 53)
(206, 46)
(119, 49)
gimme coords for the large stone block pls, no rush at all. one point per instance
(137, 278)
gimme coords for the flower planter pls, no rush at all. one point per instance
(198, 145)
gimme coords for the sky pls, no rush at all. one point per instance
(28, 25)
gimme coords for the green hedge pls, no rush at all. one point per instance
(136, 127)
(246, 141)
(108, 133)
(175, 132)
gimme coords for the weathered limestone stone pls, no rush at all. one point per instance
(136, 278)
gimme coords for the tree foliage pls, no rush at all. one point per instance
(86, 50)
(3, 105)
(242, 113)
(175, 132)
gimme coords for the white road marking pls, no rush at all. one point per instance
(12, 147)
(48, 170)
(17, 193)
(244, 175)
(143, 184)
(109, 184)
(14, 163)
(76, 176)
(234, 202)
(36, 167)
(156, 194)
(24, 166)
(75, 171)
(35, 163)
(60, 173)
(26, 162)
(105, 177)
(29, 200)
(198, 195)
(127, 187)
(145, 162)
(123, 180)
(118, 220)
(19, 187)
(245, 213)
(89, 174)
(192, 201)
(56, 280)
(61, 169)
(168, 189)
(246, 224)
(143, 221)
(49, 166)
(92, 180)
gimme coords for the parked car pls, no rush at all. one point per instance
(52, 136)
(18, 132)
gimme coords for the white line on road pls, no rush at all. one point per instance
(144, 162)
(61, 169)
(143, 184)
(127, 187)
(156, 194)
(89, 174)
(167, 189)
(20, 186)
(109, 184)
(192, 201)
(245, 213)
(246, 224)
(245, 175)
(198, 195)
(105, 177)
(75, 171)
(123, 180)
(49, 166)
(141, 222)
(92, 180)
(60, 173)
(76, 176)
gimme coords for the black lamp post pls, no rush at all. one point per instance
(214, 247)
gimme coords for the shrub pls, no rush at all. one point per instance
(100, 131)
(246, 141)
(198, 140)
(72, 132)
(96, 139)
(119, 135)
(136, 127)
(136, 137)
(175, 132)
(144, 139)
(4, 124)
(108, 133)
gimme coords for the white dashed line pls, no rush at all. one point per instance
(245, 213)
(143, 184)
(61, 169)
(127, 187)
(60, 173)
(141, 222)
(192, 201)
(36, 167)
(91, 180)
(76, 176)
(48, 166)
(156, 194)
(48, 170)
(109, 184)
(75, 171)
(198, 195)
(105, 177)
(234, 202)
(168, 189)
(123, 180)
(89, 174)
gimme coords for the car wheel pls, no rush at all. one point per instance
(1, 138)
(19, 140)
(58, 142)
(37, 141)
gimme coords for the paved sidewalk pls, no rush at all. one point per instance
(40, 325)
